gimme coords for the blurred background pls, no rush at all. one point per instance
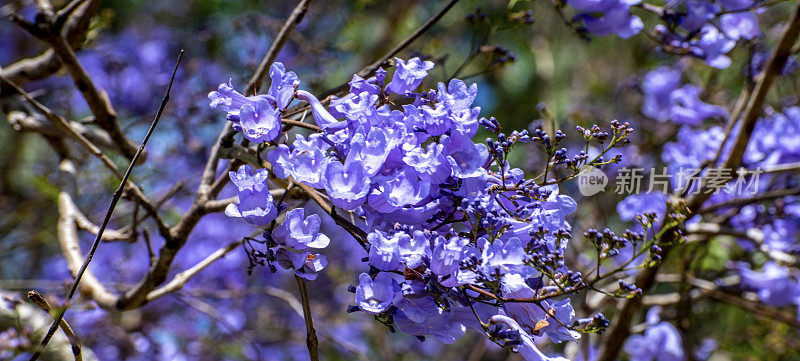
(524, 58)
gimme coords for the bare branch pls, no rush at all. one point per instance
(33, 122)
(48, 62)
(68, 239)
(754, 235)
(62, 124)
(183, 277)
(754, 199)
(384, 60)
(104, 224)
(711, 290)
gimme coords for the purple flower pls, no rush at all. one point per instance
(447, 255)
(616, 20)
(404, 189)
(692, 148)
(255, 202)
(416, 305)
(375, 296)
(431, 165)
(466, 121)
(564, 314)
(636, 204)
(774, 139)
(408, 75)
(712, 47)
(598, 6)
(657, 87)
(698, 14)
(529, 314)
(457, 100)
(456, 96)
(508, 255)
(371, 149)
(688, 109)
(527, 348)
(707, 346)
(359, 109)
(384, 253)
(299, 233)
(347, 185)
(413, 250)
(466, 158)
(359, 85)
(513, 285)
(661, 341)
(774, 284)
(304, 263)
(740, 25)
(306, 161)
(255, 116)
(283, 84)
(322, 116)
(444, 326)
(736, 5)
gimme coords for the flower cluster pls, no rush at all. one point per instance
(699, 28)
(450, 228)
(775, 284)
(665, 99)
(615, 18)
(770, 227)
(258, 117)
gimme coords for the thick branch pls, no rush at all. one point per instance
(754, 199)
(133, 190)
(32, 122)
(46, 64)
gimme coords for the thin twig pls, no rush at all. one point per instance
(754, 199)
(40, 301)
(311, 334)
(299, 124)
(263, 68)
(711, 290)
(370, 69)
(109, 212)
